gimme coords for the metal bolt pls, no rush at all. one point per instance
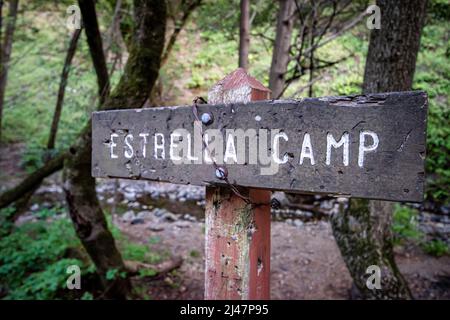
(275, 203)
(221, 173)
(207, 118)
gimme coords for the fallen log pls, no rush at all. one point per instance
(32, 180)
(134, 267)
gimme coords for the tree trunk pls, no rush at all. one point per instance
(363, 232)
(244, 34)
(133, 89)
(114, 29)
(187, 8)
(62, 88)
(311, 45)
(6, 54)
(280, 56)
(94, 39)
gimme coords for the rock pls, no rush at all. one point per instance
(128, 216)
(130, 196)
(182, 194)
(50, 189)
(327, 204)
(182, 224)
(143, 214)
(170, 217)
(188, 217)
(134, 204)
(46, 205)
(34, 207)
(172, 196)
(201, 203)
(308, 214)
(110, 200)
(137, 221)
(158, 212)
(298, 223)
(155, 228)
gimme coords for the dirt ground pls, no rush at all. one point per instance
(305, 263)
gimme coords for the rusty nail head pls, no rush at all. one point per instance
(221, 173)
(207, 118)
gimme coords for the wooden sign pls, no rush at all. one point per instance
(366, 146)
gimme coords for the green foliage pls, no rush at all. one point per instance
(5, 220)
(139, 252)
(87, 296)
(147, 272)
(439, 10)
(112, 274)
(406, 228)
(33, 157)
(33, 259)
(405, 225)
(436, 248)
(194, 254)
(432, 76)
(46, 284)
(134, 251)
(211, 64)
(35, 256)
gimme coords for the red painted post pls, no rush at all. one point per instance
(237, 235)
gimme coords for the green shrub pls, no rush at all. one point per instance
(33, 259)
(5, 220)
(46, 284)
(139, 252)
(436, 248)
(405, 224)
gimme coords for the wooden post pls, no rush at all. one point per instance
(237, 235)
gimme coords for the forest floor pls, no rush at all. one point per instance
(305, 261)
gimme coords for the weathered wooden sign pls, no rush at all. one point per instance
(368, 146)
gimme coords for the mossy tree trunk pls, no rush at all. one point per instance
(363, 231)
(5, 52)
(140, 74)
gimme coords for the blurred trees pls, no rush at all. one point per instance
(282, 47)
(5, 50)
(302, 28)
(244, 34)
(141, 72)
(62, 89)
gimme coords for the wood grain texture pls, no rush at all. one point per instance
(394, 171)
(237, 234)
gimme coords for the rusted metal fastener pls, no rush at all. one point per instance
(275, 203)
(221, 173)
(207, 118)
